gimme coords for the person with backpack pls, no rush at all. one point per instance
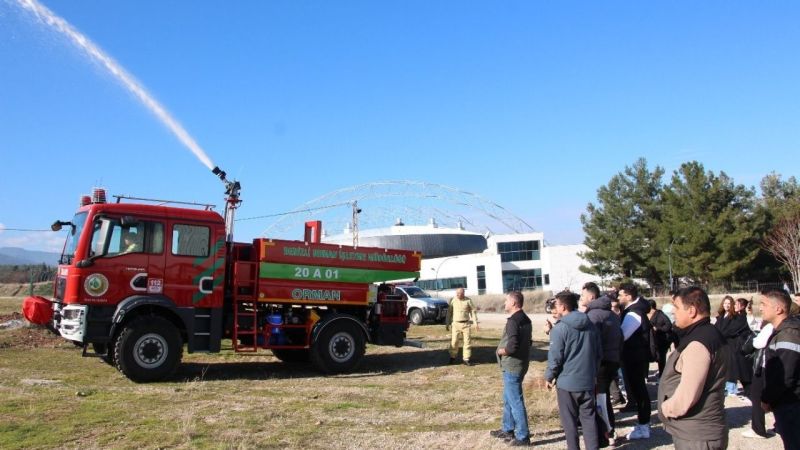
(598, 310)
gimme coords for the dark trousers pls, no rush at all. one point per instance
(720, 444)
(635, 373)
(571, 407)
(757, 412)
(616, 393)
(605, 375)
(662, 358)
(787, 424)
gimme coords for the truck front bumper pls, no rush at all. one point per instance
(72, 325)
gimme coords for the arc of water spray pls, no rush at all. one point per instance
(127, 80)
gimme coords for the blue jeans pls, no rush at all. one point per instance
(787, 424)
(515, 417)
(731, 388)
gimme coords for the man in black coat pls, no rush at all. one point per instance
(598, 309)
(662, 335)
(636, 355)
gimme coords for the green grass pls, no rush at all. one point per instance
(51, 397)
(10, 305)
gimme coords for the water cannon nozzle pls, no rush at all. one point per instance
(219, 172)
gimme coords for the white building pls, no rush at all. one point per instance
(492, 264)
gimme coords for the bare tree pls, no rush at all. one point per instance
(784, 244)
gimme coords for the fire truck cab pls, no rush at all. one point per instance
(124, 262)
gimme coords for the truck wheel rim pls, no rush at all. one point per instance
(150, 350)
(341, 347)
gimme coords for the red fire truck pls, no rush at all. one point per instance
(137, 282)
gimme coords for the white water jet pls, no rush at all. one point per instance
(95, 53)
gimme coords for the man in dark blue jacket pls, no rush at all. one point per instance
(572, 363)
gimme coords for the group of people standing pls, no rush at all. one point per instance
(589, 342)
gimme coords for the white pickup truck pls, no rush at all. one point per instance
(422, 307)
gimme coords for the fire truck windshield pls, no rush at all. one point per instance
(72, 238)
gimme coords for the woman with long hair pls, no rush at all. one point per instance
(732, 326)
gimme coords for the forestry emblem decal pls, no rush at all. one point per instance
(96, 284)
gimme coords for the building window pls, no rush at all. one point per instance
(547, 278)
(481, 279)
(518, 251)
(519, 280)
(443, 284)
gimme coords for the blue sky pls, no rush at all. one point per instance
(531, 104)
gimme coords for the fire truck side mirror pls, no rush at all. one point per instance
(84, 263)
(56, 226)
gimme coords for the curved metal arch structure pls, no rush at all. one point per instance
(382, 203)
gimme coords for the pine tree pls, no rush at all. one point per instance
(621, 230)
(712, 223)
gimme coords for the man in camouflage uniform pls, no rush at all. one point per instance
(460, 316)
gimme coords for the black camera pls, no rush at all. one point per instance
(549, 305)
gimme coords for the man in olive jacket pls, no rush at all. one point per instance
(691, 394)
(513, 354)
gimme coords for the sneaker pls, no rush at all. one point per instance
(501, 434)
(749, 433)
(520, 443)
(640, 432)
(618, 402)
(467, 363)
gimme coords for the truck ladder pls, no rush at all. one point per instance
(245, 306)
(245, 325)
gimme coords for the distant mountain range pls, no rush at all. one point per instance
(20, 256)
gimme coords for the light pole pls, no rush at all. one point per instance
(669, 257)
(436, 280)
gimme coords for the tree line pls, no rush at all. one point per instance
(24, 273)
(697, 227)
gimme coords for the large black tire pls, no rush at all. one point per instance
(415, 316)
(292, 356)
(339, 347)
(149, 348)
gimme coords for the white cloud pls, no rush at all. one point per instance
(45, 241)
